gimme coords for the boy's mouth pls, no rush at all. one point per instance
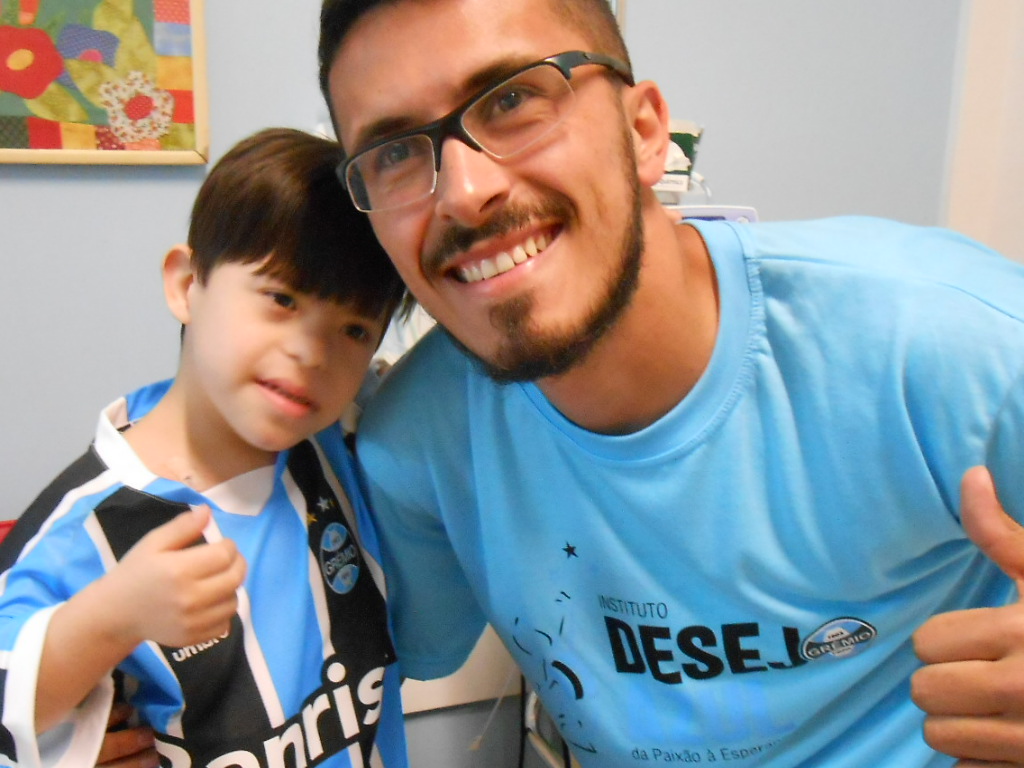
(288, 394)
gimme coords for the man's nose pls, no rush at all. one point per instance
(470, 183)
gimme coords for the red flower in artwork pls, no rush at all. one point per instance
(138, 111)
(29, 61)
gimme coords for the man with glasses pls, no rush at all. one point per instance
(703, 479)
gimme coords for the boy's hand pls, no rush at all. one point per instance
(129, 748)
(173, 593)
(164, 590)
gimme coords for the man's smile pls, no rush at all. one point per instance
(483, 269)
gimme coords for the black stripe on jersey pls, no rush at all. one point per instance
(85, 468)
(6, 739)
(362, 608)
(219, 688)
(127, 515)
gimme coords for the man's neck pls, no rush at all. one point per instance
(658, 350)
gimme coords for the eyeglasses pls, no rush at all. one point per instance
(501, 120)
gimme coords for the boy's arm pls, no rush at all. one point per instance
(164, 590)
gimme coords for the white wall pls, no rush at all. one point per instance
(810, 107)
(986, 195)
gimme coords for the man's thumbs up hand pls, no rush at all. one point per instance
(997, 534)
(972, 685)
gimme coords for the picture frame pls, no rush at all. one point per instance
(115, 82)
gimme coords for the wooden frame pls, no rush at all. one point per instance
(118, 82)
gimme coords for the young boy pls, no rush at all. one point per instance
(214, 548)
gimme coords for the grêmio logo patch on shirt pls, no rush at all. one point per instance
(339, 558)
(839, 638)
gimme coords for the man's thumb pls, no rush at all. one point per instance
(996, 533)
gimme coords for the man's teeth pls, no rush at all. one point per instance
(504, 261)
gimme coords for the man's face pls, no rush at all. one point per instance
(523, 260)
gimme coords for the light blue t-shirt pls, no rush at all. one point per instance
(738, 582)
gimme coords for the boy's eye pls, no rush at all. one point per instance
(282, 299)
(357, 332)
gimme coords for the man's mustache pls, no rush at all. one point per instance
(458, 238)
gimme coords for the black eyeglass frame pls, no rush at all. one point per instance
(450, 125)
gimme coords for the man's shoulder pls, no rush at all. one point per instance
(934, 260)
(866, 241)
(434, 368)
(417, 415)
(417, 402)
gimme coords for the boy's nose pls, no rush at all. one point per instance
(307, 346)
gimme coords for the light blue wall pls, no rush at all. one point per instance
(810, 107)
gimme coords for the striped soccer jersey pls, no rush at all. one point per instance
(304, 677)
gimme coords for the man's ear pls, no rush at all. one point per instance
(178, 279)
(648, 114)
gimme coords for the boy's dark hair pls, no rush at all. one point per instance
(593, 18)
(276, 193)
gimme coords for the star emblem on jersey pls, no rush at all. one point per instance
(570, 550)
(324, 504)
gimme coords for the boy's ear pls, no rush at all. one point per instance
(178, 279)
(648, 114)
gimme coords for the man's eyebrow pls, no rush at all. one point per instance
(471, 86)
(497, 71)
(380, 129)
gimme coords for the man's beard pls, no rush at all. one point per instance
(527, 354)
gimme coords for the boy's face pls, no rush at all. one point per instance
(573, 193)
(267, 365)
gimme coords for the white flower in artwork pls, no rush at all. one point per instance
(138, 111)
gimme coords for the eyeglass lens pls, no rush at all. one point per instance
(502, 121)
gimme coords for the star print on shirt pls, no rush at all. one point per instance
(324, 504)
(570, 550)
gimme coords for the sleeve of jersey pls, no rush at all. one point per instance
(27, 604)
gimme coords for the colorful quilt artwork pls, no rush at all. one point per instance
(102, 81)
